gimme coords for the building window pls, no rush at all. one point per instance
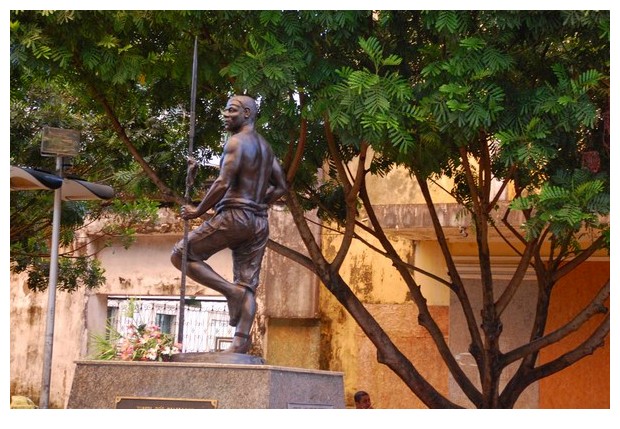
(206, 320)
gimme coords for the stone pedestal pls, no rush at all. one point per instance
(118, 384)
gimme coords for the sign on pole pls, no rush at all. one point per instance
(60, 142)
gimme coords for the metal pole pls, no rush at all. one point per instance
(188, 185)
(51, 294)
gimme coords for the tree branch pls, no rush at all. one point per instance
(351, 204)
(458, 286)
(515, 281)
(396, 260)
(291, 254)
(577, 260)
(168, 194)
(295, 161)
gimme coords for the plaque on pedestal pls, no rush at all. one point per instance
(137, 403)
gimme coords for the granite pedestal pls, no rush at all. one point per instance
(119, 384)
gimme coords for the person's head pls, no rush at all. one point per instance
(239, 110)
(362, 400)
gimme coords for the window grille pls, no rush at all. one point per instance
(112, 318)
(165, 322)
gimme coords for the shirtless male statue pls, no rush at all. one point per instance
(250, 179)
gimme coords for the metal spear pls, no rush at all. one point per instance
(189, 180)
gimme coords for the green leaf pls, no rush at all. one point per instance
(108, 41)
(457, 106)
(473, 43)
(392, 60)
(566, 100)
(447, 20)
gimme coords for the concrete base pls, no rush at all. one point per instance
(119, 384)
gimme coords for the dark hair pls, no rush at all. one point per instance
(359, 395)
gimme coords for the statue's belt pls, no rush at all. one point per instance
(241, 204)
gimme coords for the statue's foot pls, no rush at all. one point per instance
(244, 347)
(235, 305)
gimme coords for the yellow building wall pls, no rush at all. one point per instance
(428, 256)
(379, 286)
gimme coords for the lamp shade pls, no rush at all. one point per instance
(71, 189)
(31, 179)
(76, 189)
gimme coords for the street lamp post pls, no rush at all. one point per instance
(51, 297)
(62, 144)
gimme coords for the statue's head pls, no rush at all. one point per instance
(245, 102)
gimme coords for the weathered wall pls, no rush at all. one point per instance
(354, 354)
(376, 282)
(145, 268)
(27, 334)
(291, 291)
(289, 318)
(294, 343)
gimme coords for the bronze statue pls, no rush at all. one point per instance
(250, 179)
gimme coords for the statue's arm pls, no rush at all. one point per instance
(230, 164)
(277, 183)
